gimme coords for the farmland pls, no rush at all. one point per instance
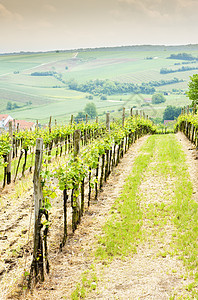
(38, 97)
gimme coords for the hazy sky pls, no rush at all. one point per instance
(63, 24)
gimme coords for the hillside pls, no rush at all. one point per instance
(38, 97)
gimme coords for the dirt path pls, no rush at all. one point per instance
(148, 274)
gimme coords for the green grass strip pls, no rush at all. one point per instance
(124, 227)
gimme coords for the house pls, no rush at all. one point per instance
(4, 121)
(23, 125)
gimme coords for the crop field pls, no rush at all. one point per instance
(50, 95)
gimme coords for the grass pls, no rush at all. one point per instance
(125, 231)
(88, 283)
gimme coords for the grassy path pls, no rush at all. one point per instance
(150, 242)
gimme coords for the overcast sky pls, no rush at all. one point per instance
(67, 24)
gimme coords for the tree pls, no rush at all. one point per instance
(80, 117)
(158, 98)
(9, 105)
(90, 109)
(193, 89)
(171, 112)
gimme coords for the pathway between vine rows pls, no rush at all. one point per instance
(143, 276)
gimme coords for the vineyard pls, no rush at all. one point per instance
(50, 223)
(73, 161)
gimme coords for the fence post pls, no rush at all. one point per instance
(86, 118)
(10, 155)
(108, 122)
(37, 266)
(131, 111)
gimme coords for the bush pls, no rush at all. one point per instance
(171, 112)
(158, 98)
(103, 97)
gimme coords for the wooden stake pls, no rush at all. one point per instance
(72, 117)
(108, 122)
(50, 124)
(10, 155)
(37, 266)
(123, 116)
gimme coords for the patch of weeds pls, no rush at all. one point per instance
(88, 283)
(21, 187)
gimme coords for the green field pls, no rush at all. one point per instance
(47, 95)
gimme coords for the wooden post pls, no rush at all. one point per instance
(72, 117)
(37, 267)
(77, 136)
(108, 122)
(76, 213)
(131, 111)
(136, 113)
(10, 155)
(86, 118)
(123, 116)
(97, 119)
(182, 111)
(194, 109)
(50, 124)
(143, 114)
(37, 125)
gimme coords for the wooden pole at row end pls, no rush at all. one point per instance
(10, 155)
(108, 122)
(37, 266)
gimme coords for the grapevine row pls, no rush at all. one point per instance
(80, 179)
(187, 123)
(19, 144)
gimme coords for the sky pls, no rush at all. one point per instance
(43, 25)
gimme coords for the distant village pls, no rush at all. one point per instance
(16, 124)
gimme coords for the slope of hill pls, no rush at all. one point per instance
(38, 97)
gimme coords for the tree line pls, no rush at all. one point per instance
(183, 56)
(182, 69)
(109, 87)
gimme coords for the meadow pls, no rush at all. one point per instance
(40, 97)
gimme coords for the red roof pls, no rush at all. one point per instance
(23, 124)
(3, 117)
